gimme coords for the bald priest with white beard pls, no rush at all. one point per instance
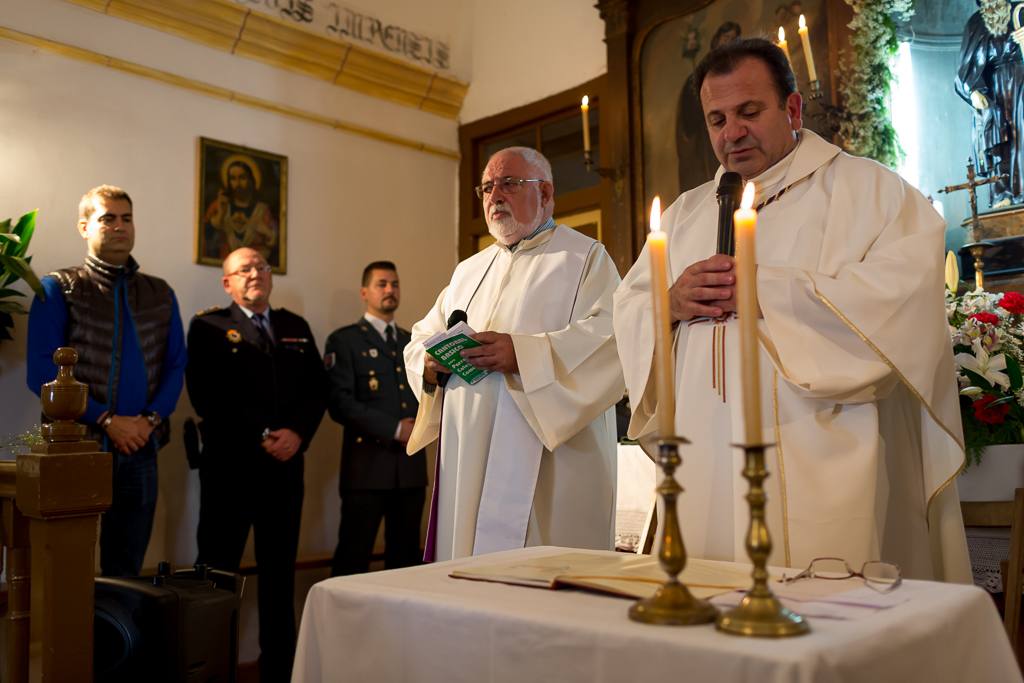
(527, 454)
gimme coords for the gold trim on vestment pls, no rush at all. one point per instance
(892, 366)
(782, 467)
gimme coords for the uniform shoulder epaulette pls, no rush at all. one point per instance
(211, 309)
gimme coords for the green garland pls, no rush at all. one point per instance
(865, 74)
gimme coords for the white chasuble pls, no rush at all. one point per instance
(527, 458)
(857, 378)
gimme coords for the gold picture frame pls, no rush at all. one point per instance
(242, 201)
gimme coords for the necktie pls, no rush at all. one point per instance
(263, 327)
(389, 337)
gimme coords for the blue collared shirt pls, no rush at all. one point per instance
(549, 224)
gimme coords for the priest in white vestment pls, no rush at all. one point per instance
(857, 376)
(526, 455)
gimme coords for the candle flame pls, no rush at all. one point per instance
(803, 22)
(585, 102)
(748, 196)
(782, 35)
(656, 214)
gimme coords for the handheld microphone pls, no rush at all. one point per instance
(457, 316)
(730, 187)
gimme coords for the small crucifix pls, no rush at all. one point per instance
(976, 248)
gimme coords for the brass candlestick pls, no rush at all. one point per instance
(759, 613)
(977, 250)
(673, 603)
(64, 400)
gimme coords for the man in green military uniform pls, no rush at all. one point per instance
(370, 397)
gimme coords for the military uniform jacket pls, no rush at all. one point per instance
(240, 385)
(368, 395)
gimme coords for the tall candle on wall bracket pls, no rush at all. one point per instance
(784, 45)
(657, 247)
(805, 40)
(745, 220)
(585, 109)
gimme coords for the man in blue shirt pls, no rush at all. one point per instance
(127, 330)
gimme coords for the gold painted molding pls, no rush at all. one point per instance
(228, 26)
(218, 92)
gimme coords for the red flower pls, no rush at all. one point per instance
(985, 412)
(984, 317)
(1013, 302)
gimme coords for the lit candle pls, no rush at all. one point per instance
(663, 375)
(805, 39)
(585, 108)
(745, 221)
(784, 46)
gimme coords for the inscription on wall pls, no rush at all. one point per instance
(337, 21)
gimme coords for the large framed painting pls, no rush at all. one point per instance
(242, 203)
(677, 153)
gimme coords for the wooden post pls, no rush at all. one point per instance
(62, 487)
(618, 207)
(15, 530)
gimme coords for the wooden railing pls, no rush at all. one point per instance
(50, 502)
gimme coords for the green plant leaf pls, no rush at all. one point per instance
(1013, 372)
(19, 267)
(5, 292)
(5, 225)
(25, 229)
(12, 307)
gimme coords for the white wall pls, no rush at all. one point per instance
(525, 51)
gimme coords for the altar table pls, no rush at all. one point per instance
(419, 625)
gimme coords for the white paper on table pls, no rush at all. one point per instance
(849, 599)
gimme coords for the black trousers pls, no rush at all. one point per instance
(361, 513)
(256, 491)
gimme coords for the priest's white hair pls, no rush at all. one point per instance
(534, 158)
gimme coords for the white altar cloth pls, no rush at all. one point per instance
(418, 625)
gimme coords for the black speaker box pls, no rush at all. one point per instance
(168, 628)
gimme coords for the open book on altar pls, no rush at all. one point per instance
(626, 575)
(446, 348)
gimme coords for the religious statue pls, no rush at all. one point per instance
(991, 79)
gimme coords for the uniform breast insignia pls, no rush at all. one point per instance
(211, 309)
(373, 353)
(294, 340)
(329, 360)
(374, 384)
(234, 336)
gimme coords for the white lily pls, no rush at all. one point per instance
(989, 367)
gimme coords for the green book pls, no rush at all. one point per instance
(446, 348)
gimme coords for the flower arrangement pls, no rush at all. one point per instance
(865, 73)
(987, 331)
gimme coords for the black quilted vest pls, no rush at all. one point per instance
(96, 322)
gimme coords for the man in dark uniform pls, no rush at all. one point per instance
(256, 379)
(370, 397)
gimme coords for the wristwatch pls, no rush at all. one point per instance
(106, 421)
(154, 418)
